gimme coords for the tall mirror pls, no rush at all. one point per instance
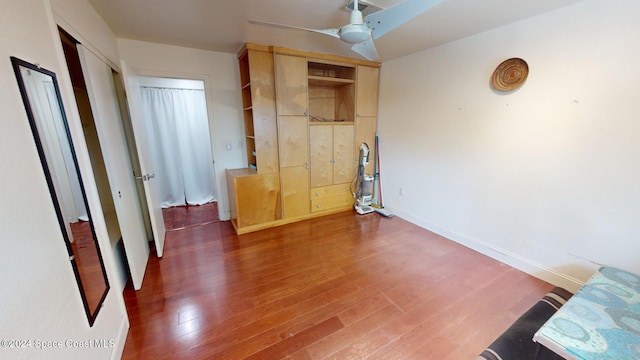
(42, 101)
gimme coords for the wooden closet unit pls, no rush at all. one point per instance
(332, 89)
(333, 166)
(332, 160)
(293, 134)
(306, 115)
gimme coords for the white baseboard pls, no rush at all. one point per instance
(528, 266)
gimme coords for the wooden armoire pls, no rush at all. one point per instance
(305, 117)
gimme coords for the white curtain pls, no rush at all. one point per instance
(181, 145)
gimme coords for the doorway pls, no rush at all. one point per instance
(177, 116)
(106, 174)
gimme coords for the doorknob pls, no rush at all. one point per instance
(143, 177)
(151, 176)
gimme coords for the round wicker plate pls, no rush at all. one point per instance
(510, 74)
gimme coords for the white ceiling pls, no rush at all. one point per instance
(221, 25)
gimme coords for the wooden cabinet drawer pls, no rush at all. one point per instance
(331, 202)
(331, 190)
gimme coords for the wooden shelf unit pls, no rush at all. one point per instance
(327, 70)
(258, 105)
(309, 113)
(331, 91)
(245, 82)
(254, 191)
(247, 109)
(329, 81)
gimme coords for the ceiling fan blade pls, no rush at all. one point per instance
(330, 32)
(367, 49)
(383, 21)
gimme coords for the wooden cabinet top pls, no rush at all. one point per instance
(241, 172)
(307, 54)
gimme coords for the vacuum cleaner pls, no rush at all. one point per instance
(362, 185)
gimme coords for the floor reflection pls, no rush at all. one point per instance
(88, 262)
(175, 305)
(180, 217)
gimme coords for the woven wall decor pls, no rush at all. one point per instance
(510, 74)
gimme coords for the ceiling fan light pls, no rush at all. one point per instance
(355, 33)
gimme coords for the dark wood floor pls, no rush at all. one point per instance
(88, 262)
(338, 287)
(180, 217)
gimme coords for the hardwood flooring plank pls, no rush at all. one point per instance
(363, 347)
(426, 330)
(364, 309)
(266, 332)
(340, 339)
(342, 286)
(300, 340)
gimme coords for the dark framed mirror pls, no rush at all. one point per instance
(43, 104)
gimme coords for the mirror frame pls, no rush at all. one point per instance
(17, 64)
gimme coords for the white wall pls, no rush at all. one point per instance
(39, 296)
(545, 178)
(222, 88)
(79, 19)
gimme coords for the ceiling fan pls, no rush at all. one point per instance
(361, 31)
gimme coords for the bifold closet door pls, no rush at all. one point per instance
(98, 77)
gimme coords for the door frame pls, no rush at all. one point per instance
(219, 174)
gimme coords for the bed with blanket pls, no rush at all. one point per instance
(516, 342)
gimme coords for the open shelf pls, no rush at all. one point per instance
(330, 70)
(329, 81)
(331, 92)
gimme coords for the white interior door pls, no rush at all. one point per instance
(98, 77)
(142, 132)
